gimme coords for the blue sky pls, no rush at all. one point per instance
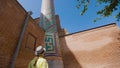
(70, 18)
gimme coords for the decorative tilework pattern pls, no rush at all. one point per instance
(48, 23)
(50, 43)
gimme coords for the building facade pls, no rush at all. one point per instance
(20, 34)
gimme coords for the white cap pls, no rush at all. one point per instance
(39, 50)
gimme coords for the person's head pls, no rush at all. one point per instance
(39, 50)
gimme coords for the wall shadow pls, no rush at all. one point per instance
(68, 57)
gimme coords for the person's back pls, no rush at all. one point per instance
(41, 63)
(38, 61)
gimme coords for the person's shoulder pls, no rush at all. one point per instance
(33, 60)
(41, 58)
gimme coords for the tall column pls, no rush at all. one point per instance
(48, 23)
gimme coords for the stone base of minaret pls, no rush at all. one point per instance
(55, 62)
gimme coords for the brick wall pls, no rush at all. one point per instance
(34, 36)
(11, 21)
(95, 48)
(12, 17)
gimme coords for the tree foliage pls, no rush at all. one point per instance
(111, 6)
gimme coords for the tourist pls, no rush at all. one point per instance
(39, 61)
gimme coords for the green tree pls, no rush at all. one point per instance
(111, 6)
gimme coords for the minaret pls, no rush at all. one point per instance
(48, 24)
(47, 15)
